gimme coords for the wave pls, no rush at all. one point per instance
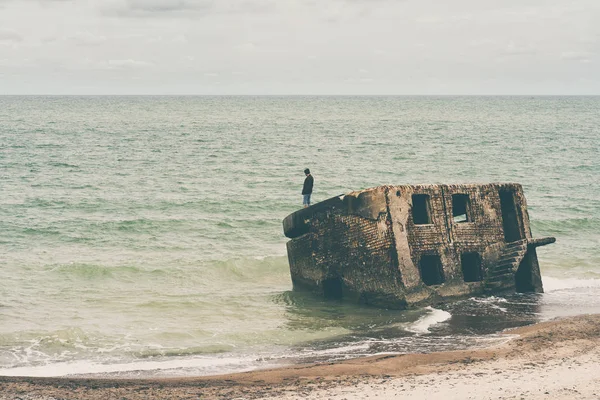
(552, 284)
(63, 165)
(45, 203)
(40, 232)
(433, 317)
(94, 271)
(491, 301)
(263, 269)
(195, 365)
(213, 349)
(568, 225)
(214, 273)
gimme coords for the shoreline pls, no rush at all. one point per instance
(559, 355)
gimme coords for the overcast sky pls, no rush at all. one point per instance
(299, 47)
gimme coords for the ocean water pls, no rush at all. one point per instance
(141, 236)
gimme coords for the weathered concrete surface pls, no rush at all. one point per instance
(396, 246)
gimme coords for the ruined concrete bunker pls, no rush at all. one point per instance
(398, 246)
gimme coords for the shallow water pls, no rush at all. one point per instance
(142, 235)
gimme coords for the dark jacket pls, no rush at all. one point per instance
(308, 185)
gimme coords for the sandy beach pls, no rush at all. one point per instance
(551, 360)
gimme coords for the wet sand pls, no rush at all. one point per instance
(558, 359)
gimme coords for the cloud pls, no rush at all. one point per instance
(247, 47)
(127, 64)
(87, 39)
(247, 6)
(290, 46)
(359, 80)
(36, 1)
(157, 8)
(439, 20)
(185, 8)
(10, 35)
(161, 5)
(519, 50)
(581, 56)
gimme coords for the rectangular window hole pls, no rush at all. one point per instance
(461, 208)
(432, 272)
(420, 209)
(471, 267)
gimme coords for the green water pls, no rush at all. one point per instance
(138, 229)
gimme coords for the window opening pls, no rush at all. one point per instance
(420, 209)
(471, 267)
(510, 218)
(431, 270)
(461, 206)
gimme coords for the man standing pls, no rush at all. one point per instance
(307, 188)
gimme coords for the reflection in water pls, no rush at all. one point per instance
(307, 311)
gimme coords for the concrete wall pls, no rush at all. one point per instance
(446, 238)
(369, 241)
(352, 242)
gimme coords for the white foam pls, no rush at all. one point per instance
(423, 324)
(489, 300)
(201, 365)
(348, 349)
(553, 284)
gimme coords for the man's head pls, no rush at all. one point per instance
(307, 171)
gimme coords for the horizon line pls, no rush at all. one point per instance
(294, 95)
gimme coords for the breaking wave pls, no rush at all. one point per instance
(433, 317)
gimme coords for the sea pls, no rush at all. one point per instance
(142, 236)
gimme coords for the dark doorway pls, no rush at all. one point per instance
(431, 269)
(510, 220)
(471, 267)
(420, 209)
(524, 276)
(332, 288)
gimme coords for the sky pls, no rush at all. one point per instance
(304, 47)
